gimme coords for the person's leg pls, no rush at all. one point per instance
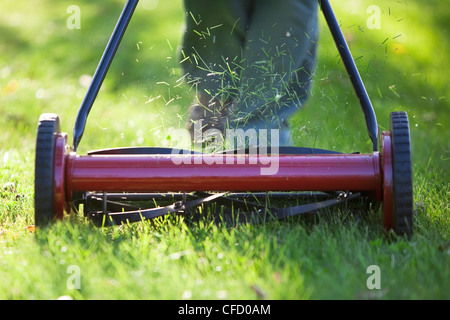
(212, 44)
(265, 49)
(277, 64)
(210, 56)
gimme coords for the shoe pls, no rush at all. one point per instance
(213, 114)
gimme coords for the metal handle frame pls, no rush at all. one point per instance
(352, 70)
(102, 69)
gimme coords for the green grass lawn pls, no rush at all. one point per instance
(45, 67)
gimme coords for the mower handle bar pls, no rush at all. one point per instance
(102, 69)
(352, 70)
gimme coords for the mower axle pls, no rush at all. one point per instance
(160, 173)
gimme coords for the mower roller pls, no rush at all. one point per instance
(121, 185)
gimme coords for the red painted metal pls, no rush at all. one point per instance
(388, 202)
(59, 198)
(161, 173)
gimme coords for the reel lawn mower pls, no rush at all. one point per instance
(115, 184)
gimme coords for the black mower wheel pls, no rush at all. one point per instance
(49, 124)
(402, 183)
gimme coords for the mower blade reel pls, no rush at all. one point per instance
(261, 215)
(139, 215)
(282, 213)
